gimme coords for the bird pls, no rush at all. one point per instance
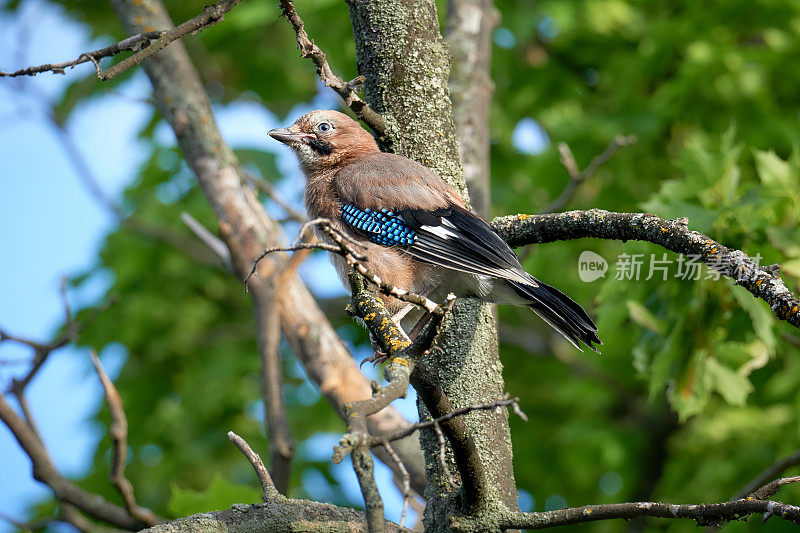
(413, 227)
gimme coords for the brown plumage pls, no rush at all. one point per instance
(414, 228)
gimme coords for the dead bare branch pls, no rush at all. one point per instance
(64, 490)
(214, 243)
(405, 479)
(269, 491)
(119, 451)
(347, 91)
(769, 473)
(135, 43)
(506, 401)
(577, 176)
(146, 44)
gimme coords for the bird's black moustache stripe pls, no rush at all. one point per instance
(320, 146)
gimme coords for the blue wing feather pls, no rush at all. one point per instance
(382, 227)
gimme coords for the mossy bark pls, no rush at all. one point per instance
(405, 61)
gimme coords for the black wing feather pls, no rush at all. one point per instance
(457, 239)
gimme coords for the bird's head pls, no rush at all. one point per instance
(323, 139)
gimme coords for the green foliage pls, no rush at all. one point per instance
(697, 388)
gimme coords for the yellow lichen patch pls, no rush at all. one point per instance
(794, 309)
(397, 344)
(664, 230)
(401, 361)
(587, 511)
(523, 217)
(759, 282)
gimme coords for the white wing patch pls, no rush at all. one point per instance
(441, 232)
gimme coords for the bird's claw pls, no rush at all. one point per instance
(378, 358)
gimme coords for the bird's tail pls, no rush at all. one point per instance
(561, 312)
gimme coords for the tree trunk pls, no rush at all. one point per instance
(403, 57)
(469, 35)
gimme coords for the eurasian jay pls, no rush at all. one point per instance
(413, 227)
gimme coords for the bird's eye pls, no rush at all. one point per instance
(324, 126)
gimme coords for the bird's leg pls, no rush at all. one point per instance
(400, 315)
(380, 357)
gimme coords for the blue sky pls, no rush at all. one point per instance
(53, 227)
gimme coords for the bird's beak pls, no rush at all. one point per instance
(286, 136)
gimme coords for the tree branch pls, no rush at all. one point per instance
(119, 451)
(506, 401)
(64, 490)
(703, 514)
(770, 473)
(135, 43)
(213, 242)
(406, 359)
(146, 44)
(357, 440)
(347, 91)
(268, 327)
(267, 485)
(762, 282)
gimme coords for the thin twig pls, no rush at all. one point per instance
(356, 260)
(576, 176)
(267, 486)
(214, 243)
(443, 455)
(119, 451)
(504, 402)
(347, 91)
(210, 16)
(405, 479)
(791, 339)
(42, 351)
(769, 473)
(144, 45)
(267, 188)
(772, 488)
(135, 43)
